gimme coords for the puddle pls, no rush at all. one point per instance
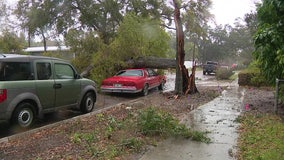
(201, 80)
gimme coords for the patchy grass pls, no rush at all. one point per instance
(261, 137)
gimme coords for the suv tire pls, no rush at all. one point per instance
(88, 102)
(24, 115)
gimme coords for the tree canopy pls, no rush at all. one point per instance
(102, 17)
(112, 31)
(136, 37)
(269, 39)
(227, 45)
(38, 18)
(11, 43)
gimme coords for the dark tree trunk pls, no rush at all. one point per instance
(29, 39)
(180, 53)
(151, 62)
(141, 62)
(191, 88)
(188, 82)
(44, 41)
(87, 71)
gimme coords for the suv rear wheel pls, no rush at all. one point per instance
(88, 102)
(24, 115)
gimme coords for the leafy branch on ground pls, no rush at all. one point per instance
(157, 122)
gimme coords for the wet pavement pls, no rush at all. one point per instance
(216, 117)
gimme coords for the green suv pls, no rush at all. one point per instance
(31, 86)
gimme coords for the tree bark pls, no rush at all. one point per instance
(188, 82)
(44, 41)
(191, 88)
(142, 62)
(87, 71)
(180, 53)
(151, 62)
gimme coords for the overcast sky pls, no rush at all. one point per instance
(226, 11)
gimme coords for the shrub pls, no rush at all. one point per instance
(224, 73)
(258, 80)
(153, 122)
(252, 77)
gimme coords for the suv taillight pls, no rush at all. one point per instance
(3, 95)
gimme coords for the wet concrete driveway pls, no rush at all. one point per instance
(218, 118)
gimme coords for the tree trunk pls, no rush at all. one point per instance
(44, 41)
(188, 82)
(29, 39)
(151, 62)
(180, 53)
(141, 62)
(191, 88)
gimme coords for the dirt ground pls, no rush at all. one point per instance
(57, 142)
(262, 100)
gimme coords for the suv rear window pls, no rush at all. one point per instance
(43, 70)
(15, 71)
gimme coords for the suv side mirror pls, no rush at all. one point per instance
(77, 76)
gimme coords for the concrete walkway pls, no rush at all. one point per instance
(218, 118)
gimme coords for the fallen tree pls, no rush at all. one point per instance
(184, 83)
(151, 62)
(142, 62)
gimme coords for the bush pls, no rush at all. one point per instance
(252, 77)
(258, 80)
(245, 78)
(224, 73)
(153, 122)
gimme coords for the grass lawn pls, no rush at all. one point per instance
(261, 137)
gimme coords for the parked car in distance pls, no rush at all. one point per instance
(210, 67)
(133, 81)
(31, 86)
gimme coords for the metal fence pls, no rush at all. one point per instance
(278, 82)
